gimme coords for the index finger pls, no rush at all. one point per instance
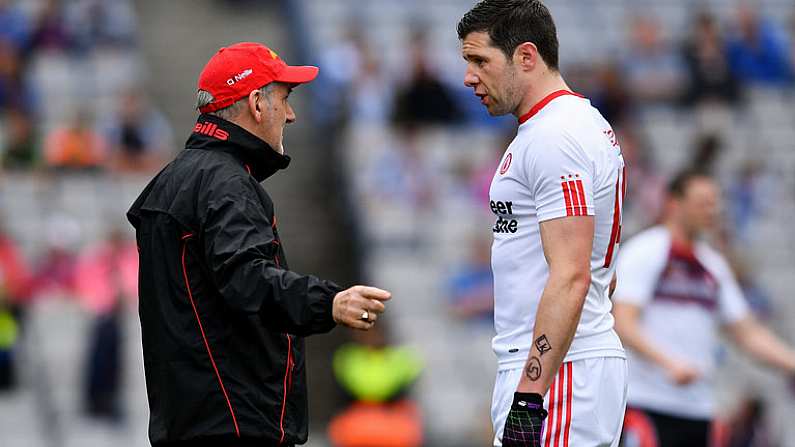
(374, 293)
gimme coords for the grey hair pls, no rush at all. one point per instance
(203, 98)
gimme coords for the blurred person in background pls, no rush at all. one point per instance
(424, 100)
(471, 288)
(20, 150)
(644, 199)
(105, 281)
(706, 151)
(15, 27)
(377, 377)
(342, 63)
(557, 196)
(15, 290)
(748, 195)
(75, 146)
(757, 51)
(223, 319)
(712, 87)
(401, 174)
(50, 33)
(674, 293)
(710, 77)
(100, 24)
(611, 95)
(14, 92)
(54, 270)
(138, 135)
(652, 67)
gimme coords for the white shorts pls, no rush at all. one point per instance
(586, 403)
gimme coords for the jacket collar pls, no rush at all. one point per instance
(213, 133)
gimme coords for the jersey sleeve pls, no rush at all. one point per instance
(640, 263)
(561, 178)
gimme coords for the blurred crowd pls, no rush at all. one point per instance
(70, 96)
(71, 102)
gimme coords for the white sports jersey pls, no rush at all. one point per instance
(564, 161)
(685, 293)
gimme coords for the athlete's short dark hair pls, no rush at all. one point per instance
(677, 187)
(510, 23)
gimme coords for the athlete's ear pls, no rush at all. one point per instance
(526, 56)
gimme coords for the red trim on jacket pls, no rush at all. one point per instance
(204, 337)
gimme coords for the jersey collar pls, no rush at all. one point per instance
(537, 108)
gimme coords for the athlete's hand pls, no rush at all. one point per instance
(682, 373)
(525, 421)
(352, 305)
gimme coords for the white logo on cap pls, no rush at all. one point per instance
(239, 77)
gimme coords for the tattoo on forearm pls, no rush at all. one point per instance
(542, 344)
(533, 369)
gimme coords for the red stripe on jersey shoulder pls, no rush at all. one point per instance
(583, 204)
(567, 197)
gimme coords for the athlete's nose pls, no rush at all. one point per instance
(471, 79)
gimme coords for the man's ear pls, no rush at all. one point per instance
(526, 56)
(253, 105)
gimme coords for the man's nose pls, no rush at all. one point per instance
(290, 114)
(471, 79)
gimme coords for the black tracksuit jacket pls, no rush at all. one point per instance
(222, 316)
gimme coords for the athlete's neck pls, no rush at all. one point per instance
(679, 234)
(548, 82)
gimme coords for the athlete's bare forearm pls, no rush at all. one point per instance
(556, 322)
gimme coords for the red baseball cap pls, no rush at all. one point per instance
(234, 71)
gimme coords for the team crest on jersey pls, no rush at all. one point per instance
(506, 164)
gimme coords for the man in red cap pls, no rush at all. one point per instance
(222, 315)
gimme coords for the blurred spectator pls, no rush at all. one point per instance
(13, 88)
(20, 150)
(50, 33)
(106, 277)
(652, 68)
(646, 188)
(402, 174)
(710, 76)
(107, 274)
(75, 146)
(14, 25)
(54, 272)
(14, 291)
(424, 99)
(611, 95)
(370, 99)
(748, 195)
(707, 149)
(377, 377)
(101, 24)
(471, 288)
(756, 50)
(138, 136)
(15, 276)
(340, 66)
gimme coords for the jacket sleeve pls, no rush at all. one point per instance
(240, 249)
